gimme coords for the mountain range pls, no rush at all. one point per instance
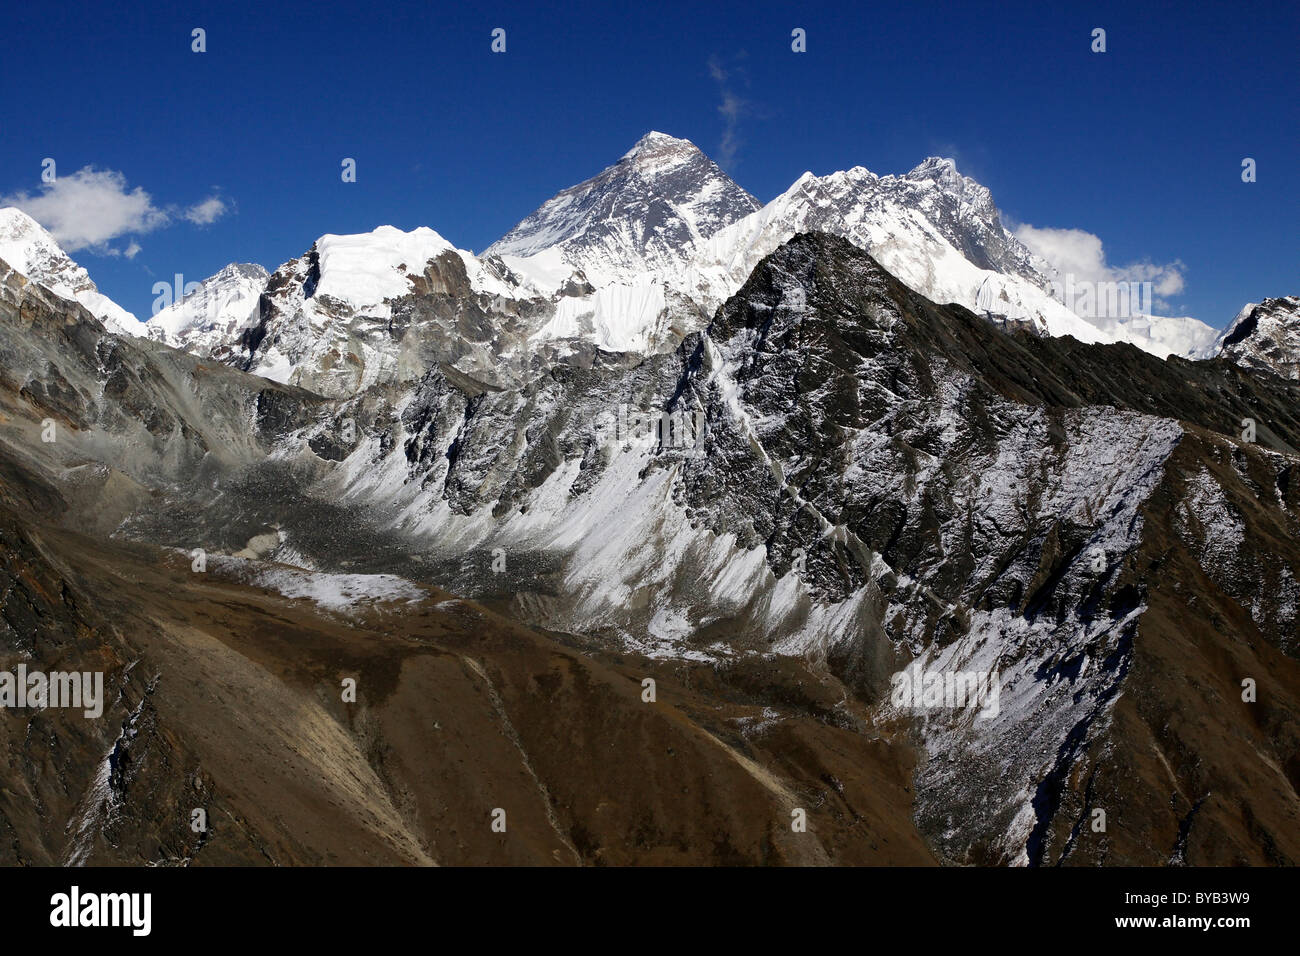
(637, 257)
(629, 527)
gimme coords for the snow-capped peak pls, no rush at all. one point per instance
(941, 233)
(935, 230)
(649, 211)
(642, 254)
(366, 268)
(354, 309)
(1265, 335)
(938, 168)
(222, 304)
(656, 143)
(27, 247)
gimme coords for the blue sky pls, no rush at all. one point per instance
(1141, 146)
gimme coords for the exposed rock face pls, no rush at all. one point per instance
(1265, 336)
(835, 480)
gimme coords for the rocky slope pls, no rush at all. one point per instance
(224, 681)
(1265, 336)
(847, 480)
(225, 697)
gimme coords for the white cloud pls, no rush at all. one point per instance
(92, 207)
(1080, 255)
(207, 212)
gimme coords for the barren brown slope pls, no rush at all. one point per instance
(230, 702)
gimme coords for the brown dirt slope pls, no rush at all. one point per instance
(228, 699)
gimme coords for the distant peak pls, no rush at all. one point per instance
(647, 211)
(249, 270)
(384, 236)
(655, 142)
(935, 167)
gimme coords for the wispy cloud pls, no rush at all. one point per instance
(91, 208)
(732, 108)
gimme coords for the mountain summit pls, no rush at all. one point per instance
(649, 211)
(27, 247)
(221, 306)
(1265, 336)
(632, 260)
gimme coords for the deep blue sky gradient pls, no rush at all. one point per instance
(1141, 145)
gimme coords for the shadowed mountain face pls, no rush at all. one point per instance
(834, 482)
